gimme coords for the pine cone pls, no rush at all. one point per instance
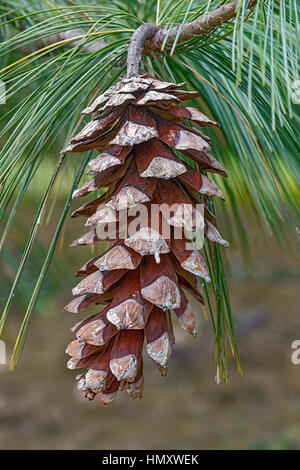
(142, 277)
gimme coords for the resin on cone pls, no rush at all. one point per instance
(137, 124)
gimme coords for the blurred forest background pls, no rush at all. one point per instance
(40, 407)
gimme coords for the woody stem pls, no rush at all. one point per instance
(135, 50)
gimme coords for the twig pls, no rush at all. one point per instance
(149, 38)
(200, 26)
(135, 49)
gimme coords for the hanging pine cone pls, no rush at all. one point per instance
(141, 278)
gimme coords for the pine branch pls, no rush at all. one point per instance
(149, 38)
(197, 27)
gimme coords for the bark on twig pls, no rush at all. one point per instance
(135, 50)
